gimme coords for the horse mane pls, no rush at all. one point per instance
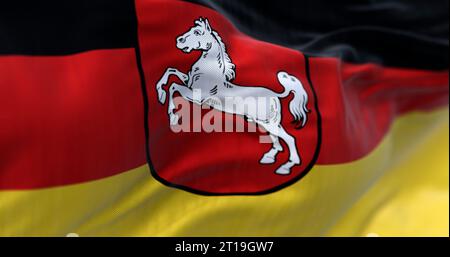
(224, 59)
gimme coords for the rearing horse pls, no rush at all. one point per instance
(212, 75)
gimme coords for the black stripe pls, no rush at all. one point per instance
(56, 27)
(405, 33)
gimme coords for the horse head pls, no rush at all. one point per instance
(198, 37)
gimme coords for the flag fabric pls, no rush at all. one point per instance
(224, 118)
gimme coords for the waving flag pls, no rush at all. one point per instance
(170, 117)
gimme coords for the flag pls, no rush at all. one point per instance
(225, 118)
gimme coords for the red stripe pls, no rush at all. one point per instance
(359, 102)
(69, 119)
(77, 118)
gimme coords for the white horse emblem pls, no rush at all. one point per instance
(214, 72)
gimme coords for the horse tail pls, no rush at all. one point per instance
(298, 105)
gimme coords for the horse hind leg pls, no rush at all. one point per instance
(294, 158)
(271, 155)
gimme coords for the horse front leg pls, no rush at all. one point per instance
(185, 92)
(165, 78)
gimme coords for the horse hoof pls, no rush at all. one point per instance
(267, 160)
(174, 119)
(162, 96)
(283, 171)
(294, 161)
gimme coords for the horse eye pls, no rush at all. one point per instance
(196, 32)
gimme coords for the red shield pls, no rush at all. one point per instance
(217, 163)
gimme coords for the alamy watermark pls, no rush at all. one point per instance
(231, 114)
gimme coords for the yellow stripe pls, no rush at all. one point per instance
(399, 189)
